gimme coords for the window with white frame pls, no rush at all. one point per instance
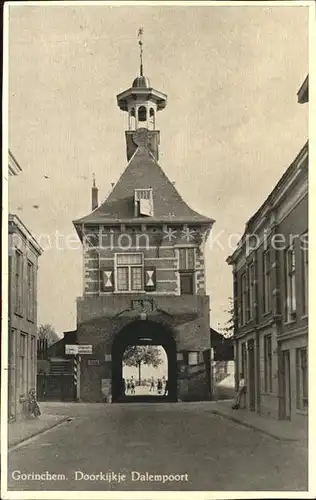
(304, 253)
(243, 298)
(290, 289)
(33, 361)
(18, 282)
(186, 259)
(30, 290)
(186, 270)
(129, 272)
(23, 364)
(250, 291)
(268, 363)
(301, 379)
(193, 358)
(143, 199)
(266, 281)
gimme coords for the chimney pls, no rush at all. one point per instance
(95, 203)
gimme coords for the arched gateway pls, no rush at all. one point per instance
(143, 333)
(143, 263)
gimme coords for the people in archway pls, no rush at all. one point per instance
(128, 387)
(159, 386)
(166, 388)
(132, 385)
(123, 386)
(152, 385)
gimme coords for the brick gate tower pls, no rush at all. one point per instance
(144, 277)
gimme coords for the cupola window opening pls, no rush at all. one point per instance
(132, 119)
(143, 199)
(152, 119)
(142, 114)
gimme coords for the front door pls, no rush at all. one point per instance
(287, 384)
(251, 375)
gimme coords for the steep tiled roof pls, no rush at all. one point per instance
(143, 172)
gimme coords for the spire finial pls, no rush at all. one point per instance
(93, 180)
(140, 42)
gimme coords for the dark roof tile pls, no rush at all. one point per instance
(143, 172)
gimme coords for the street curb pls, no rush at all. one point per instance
(252, 426)
(37, 433)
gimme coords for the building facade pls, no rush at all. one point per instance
(270, 270)
(144, 275)
(22, 334)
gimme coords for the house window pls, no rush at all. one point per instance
(301, 379)
(33, 361)
(268, 363)
(193, 358)
(129, 272)
(18, 282)
(244, 360)
(23, 364)
(304, 252)
(290, 293)
(243, 298)
(250, 291)
(186, 270)
(143, 200)
(266, 281)
(30, 291)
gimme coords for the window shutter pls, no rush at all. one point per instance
(186, 283)
(149, 279)
(107, 279)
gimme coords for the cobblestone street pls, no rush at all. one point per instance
(201, 450)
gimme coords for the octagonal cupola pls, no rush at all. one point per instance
(141, 101)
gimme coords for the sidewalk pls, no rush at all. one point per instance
(22, 430)
(278, 429)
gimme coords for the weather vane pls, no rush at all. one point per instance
(140, 41)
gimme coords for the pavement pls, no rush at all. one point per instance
(155, 447)
(278, 429)
(23, 430)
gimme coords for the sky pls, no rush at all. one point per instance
(231, 127)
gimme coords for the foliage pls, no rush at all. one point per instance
(140, 354)
(228, 330)
(47, 332)
(137, 355)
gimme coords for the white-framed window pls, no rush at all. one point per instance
(301, 379)
(18, 282)
(243, 298)
(144, 205)
(30, 278)
(129, 272)
(266, 281)
(186, 259)
(23, 364)
(193, 358)
(268, 363)
(33, 361)
(304, 254)
(289, 281)
(250, 290)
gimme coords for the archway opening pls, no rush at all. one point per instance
(145, 370)
(134, 340)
